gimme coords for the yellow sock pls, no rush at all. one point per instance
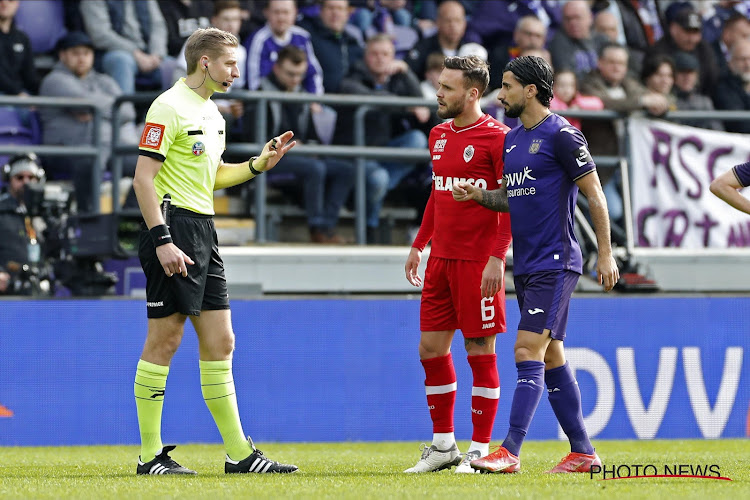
(150, 382)
(217, 386)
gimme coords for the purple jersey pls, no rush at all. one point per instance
(542, 165)
(262, 51)
(742, 172)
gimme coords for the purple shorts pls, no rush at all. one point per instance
(543, 299)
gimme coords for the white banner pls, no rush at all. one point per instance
(672, 168)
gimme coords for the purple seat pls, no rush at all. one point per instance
(404, 39)
(44, 23)
(12, 125)
(13, 131)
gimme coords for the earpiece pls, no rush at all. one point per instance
(205, 65)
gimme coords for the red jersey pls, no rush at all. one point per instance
(465, 230)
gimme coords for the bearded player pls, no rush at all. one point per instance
(546, 163)
(463, 286)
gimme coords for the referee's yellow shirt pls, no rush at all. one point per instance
(186, 133)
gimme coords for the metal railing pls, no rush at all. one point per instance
(94, 150)
(361, 104)
(360, 152)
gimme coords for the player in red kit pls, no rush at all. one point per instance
(463, 286)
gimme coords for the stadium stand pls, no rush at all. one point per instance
(13, 131)
(275, 221)
(44, 22)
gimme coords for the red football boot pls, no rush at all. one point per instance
(576, 462)
(501, 460)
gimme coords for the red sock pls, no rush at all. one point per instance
(440, 385)
(485, 394)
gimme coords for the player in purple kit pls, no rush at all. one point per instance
(264, 45)
(727, 184)
(546, 163)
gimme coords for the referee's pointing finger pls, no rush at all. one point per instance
(183, 267)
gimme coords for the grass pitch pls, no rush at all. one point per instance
(368, 470)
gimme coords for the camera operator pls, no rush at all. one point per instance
(20, 251)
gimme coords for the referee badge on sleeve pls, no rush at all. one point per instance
(153, 133)
(198, 148)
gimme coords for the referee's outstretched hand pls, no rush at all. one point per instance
(274, 150)
(173, 260)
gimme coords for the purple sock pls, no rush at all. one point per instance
(565, 398)
(529, 388)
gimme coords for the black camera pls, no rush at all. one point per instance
(47, 200)
(73, 245)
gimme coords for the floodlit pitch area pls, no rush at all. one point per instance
(370, 470)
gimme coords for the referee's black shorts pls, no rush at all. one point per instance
(204, 288)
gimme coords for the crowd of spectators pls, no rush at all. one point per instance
(323, 184)
(623, 55)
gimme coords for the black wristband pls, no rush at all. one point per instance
(250, 164)
(160, 235)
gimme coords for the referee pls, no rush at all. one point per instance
(180, 163)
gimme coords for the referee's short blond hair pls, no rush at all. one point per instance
(207, 41)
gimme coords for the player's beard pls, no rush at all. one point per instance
(452, 111)
(514, 110)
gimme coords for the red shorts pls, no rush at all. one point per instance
(452, 299)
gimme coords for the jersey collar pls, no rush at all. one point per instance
(458, 130)
(538, 123)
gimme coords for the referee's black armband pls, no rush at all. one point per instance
(160, 235)
(252, 170)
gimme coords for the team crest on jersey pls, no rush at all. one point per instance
(535, 145)
(468, 153)
(198, 148)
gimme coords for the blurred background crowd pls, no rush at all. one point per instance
(624, 55)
